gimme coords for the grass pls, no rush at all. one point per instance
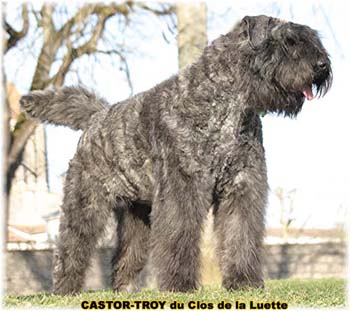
(296, 293)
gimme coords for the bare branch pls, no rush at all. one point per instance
(37, 17)
(90, 46)
(90, 9)
(46, 13)
(20, 138)
(166, 10)
(125, 66)
(127, 73)
(68, 59)
(51, 43)
(16, 36)
(84, 12)
(172, 25)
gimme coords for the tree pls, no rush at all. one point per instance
(79, 32)
(192, 31)
(192, 39)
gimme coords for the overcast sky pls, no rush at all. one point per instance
(309, 154)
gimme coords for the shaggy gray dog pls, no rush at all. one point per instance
(161, 159)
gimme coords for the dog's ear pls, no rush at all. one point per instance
(256, 29)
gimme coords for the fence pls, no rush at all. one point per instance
(29, 272)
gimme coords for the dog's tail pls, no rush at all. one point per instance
(69, 106)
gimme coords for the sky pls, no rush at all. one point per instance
(308, 155)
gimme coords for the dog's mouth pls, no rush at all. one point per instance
(319, 87)
(308, 92)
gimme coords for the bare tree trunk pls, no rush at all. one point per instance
(192, 31)
(192, 39)
(5, 131)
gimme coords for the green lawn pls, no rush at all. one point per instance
(307, 293)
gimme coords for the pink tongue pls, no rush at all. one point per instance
(308, 93)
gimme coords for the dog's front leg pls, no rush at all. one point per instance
(239, 227)
(177, 215)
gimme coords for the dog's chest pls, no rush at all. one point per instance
(225, 148)
(225, 133)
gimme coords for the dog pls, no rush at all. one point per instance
(161, 159)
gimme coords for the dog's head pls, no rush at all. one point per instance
(283, 64)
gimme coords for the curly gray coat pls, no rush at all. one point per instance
(162, 158)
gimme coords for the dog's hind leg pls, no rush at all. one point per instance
(84, 215)
(133, 231)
